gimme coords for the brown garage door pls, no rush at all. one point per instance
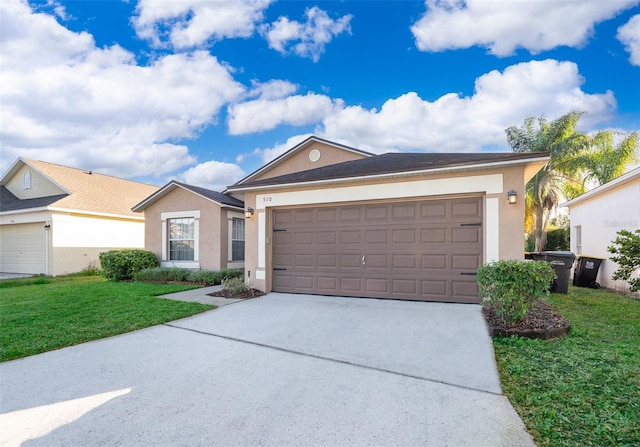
(425, 250)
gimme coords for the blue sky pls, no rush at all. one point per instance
(208, 91)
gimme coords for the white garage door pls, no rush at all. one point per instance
(22, 248)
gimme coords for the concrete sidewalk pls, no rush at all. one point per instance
(201, 295)
(279, 370)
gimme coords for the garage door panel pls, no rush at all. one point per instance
(376, 213)
(377, 286)
(327, 238)
(434, 261)
(465, 209)
(465, 262)
(408, 261)
(465, 234)
(351, 284)
(433, 210)
(404, 236)
(376, 236)
(351, 237)
(350, 214)
(422, 250)
(328, 284)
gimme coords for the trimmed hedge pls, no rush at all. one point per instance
(120, 265)
(511, 287)
(171, 274)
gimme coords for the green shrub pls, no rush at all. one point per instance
(626, 251)
(511, 287)
(120, 265)
(235, 286)
(166, 274)
(162, 274)
(557, 239)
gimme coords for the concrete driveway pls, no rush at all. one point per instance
(272, 371)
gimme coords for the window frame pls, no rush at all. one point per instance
(165, 222)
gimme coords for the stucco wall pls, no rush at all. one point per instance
(299, 161)
(210, 226)
(40, 186)
(600, 218)
(504, 223)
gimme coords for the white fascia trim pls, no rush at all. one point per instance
(625, 178)
(478, 184)
(391, 175)
(71, 211)
(24, 211)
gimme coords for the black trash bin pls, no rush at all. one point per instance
(586, 272)
(561, 261)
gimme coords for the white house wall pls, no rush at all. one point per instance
(600, 218)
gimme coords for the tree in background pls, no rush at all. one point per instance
(626, 252)
(561, 140)
(576, 162)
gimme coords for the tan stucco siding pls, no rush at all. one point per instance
(503, 226)
(40, 185)
(209, 226)
(300, 161)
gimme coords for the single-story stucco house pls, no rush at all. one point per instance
(192, 227)
(412, 226)
(56, 219)
(598, 215)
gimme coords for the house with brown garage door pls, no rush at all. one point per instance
(192, 227)
(411, 226)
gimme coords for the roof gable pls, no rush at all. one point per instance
(328, 152)
(85, 191)
(213, 196)
(395, 164)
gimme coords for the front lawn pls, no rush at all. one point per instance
(41, 314)
(583, 389)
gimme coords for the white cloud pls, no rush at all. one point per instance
(463, 124)
(66, 101)
(629, 35)
(214, 175)
(191, 23)
(273, 89)
(504, 26)
(264, 114)
(306, 39)
(268, 154)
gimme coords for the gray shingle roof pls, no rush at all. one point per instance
(216, 196)
(9, 202)
(392, 163)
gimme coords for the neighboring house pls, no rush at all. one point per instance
(192, 227)
(412, 226)
(598, 215)
(55, 219)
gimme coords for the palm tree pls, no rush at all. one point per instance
(608, 154)
(560, 139)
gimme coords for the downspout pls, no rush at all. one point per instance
(47, 228)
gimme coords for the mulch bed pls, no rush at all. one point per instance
(543, 321)
(251, 293)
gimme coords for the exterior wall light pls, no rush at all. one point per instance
(512, 197)
(248, 213)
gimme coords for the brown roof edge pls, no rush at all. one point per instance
(393, 165)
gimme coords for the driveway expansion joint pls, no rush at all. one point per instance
(330, 359)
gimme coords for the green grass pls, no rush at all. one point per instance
(42, 313)
(583, 389)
